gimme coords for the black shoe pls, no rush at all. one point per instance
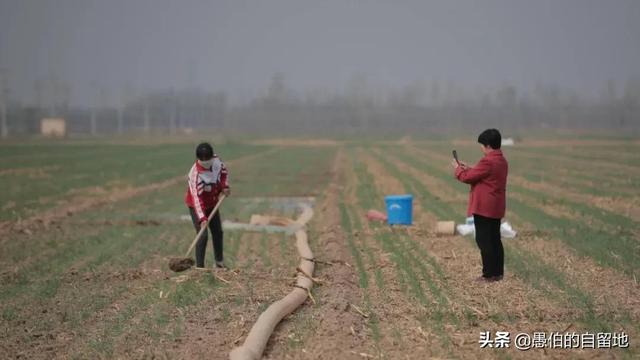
(487, 279)
(221, 265)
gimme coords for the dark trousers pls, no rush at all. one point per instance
(215, 225)
(488, 240)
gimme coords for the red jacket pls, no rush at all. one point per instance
(488, 181)
(204, 186)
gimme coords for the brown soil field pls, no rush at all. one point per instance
(86, 276)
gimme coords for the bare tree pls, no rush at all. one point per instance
(4, 95)
(104, 100)
(126, 94)
(93, 117)
(39, 93)
(173, 112)
(277, 92)
(147, 122)
(120, 115)
(65, 97)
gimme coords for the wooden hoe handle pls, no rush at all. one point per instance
(204, 228)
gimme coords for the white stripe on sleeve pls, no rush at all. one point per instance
(193, 178)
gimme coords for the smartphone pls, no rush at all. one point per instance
(455, 156)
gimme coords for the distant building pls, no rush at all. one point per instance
(53, 127)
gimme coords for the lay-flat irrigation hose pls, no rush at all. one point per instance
(256, 341)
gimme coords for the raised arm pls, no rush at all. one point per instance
(474, 174)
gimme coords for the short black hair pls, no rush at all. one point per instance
(204, 151)
(491, 138)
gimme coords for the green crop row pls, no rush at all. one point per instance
(603, 246)
(406, 264)
(525, 265)
(60, 172)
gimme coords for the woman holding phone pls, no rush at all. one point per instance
(487, 201)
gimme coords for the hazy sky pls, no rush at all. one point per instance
(237, 45)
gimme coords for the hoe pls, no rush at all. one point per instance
(181, 264)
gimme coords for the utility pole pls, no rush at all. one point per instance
(4, 94)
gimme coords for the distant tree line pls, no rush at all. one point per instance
(359, 110)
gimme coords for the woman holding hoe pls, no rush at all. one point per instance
(208, 178)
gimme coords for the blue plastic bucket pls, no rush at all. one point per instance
(399, 209)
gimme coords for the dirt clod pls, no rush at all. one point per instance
(180, 264)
